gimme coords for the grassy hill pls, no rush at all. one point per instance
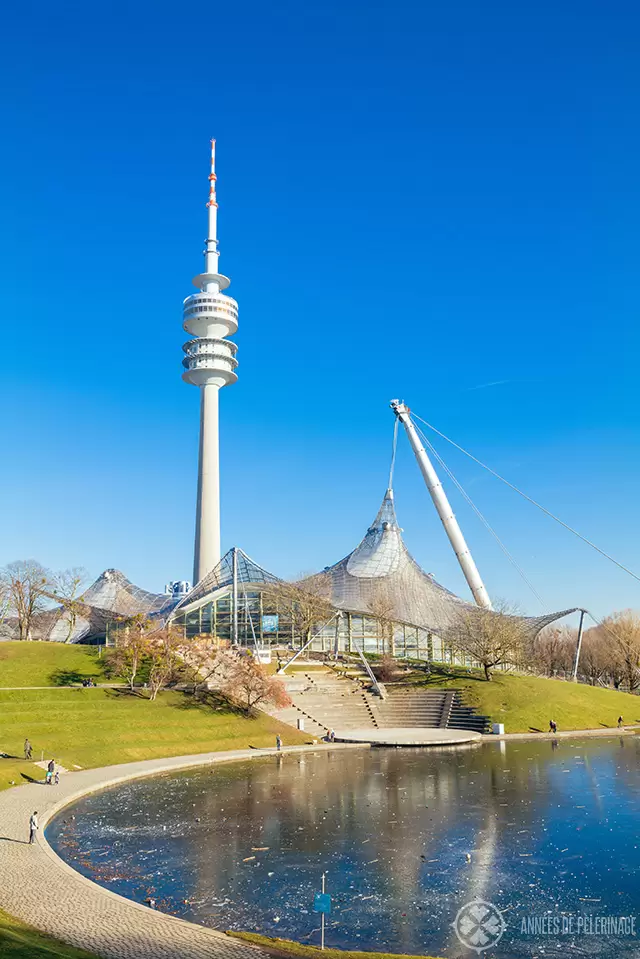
(82, 727)
(18, 941)
(49, 664)
(527, 703)
(285, 948)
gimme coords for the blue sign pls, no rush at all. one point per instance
(270, 624)
(322, 903)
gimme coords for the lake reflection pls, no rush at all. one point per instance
(551, 829)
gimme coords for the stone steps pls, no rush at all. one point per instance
(337, 701)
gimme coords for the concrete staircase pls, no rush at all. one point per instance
(332, 700)
(443, 708)
(407, 706)
(339, 699)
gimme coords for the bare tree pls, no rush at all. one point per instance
(307, 601)
(490, 637)
(165, 657)
(67, 586)
(382, 606)
(595, 658)
(5, 601)
(132, 645)
(553, 650)
(246, 682)
(25, 584)
(623, 632)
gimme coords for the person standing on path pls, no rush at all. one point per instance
(620, 721)
(33, 827)
(278, 743)
(27, 749)
(51, 768)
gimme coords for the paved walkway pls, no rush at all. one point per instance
(408, 736)
(39, 888)
(568, 733)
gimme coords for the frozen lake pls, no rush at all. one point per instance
(548, 833)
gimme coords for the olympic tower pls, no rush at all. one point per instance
(210, 317)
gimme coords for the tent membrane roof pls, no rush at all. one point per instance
(381, 572)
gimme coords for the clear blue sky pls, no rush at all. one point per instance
(437, 201)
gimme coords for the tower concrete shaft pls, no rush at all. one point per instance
(210, 316)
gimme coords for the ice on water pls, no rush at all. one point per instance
(406, 837)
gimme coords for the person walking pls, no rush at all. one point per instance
(553, 728)
(51, 768)
(620, 721)
(27, 749)
(278, 743)
(33, 827)
(57, 777)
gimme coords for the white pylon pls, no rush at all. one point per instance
(209, 363)
(443, 507)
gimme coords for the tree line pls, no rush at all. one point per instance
(27, 589)
(156, 655)
(610, 651)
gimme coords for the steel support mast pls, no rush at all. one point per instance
(443, 507)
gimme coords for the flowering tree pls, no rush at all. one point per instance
(246, 682)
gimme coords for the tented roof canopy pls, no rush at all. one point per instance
(380, 570)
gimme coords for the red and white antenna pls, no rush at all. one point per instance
(212, 176)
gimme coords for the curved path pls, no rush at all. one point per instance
(408, 736)
(39, 888)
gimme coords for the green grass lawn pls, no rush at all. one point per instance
(18, 941)
(15, 772)
(83, 727)
(284, 947)
(526, 703)
(49, 664)
(98, 727)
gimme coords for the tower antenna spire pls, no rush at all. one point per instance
(212, 176)
(211, 253)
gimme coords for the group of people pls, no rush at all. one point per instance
(52, 778)
(553, 726)
(88, 682)
(53, 774)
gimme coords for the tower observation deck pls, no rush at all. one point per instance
(210, 316)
